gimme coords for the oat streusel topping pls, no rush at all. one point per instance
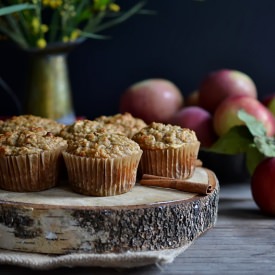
(81, 128)
(103, 146)
(125, 123)
(28, 121)
(29, 142)
(161, 136)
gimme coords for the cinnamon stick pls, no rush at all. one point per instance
(202, 182)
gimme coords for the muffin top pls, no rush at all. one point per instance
(162, 136)
(28, 121)
(24, 142)
(103, 146)
(125, 123)
(81, 128)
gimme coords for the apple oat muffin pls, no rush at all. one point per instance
(168, 150)
(102, 164)
(30, 159)
(81, 128)
(124, 123)
(20, 122)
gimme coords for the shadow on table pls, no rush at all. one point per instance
(228, 168)
(242, 209)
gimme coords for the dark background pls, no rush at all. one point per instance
(182, 42)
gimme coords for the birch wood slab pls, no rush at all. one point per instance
(59, 221)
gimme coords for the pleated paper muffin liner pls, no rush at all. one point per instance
(102, 177)
(171, 162)
(31, 172)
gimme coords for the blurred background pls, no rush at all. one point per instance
(182, 42)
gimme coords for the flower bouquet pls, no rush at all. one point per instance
(38, 23)
(47, 30)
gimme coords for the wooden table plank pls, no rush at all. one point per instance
(242, 242)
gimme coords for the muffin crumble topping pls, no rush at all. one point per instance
(103, 146)
(15, 123)
(161, 136)
(30, 141)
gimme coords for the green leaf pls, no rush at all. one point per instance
(93, 35)
(255, 127)
(16, 38)
(82, 16)
(123, 17)
(265, 145)
(53, 30)
(15, 8)
(250, 139)
(235, 141)
(253, 158)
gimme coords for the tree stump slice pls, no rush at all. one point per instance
(59, 221)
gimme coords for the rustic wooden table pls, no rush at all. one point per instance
(242, 242)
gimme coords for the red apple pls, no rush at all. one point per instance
(263, 186)
(226, 116)
(153, 100)
(199, 120)
(218, 85)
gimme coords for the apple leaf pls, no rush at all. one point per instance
(250, 139)
(255, 127)
(235, 141)
(253, 157)
(265, 145)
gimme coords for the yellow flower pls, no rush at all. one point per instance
(44, 28)
(114, 7)
(41, 43)
(35, 25)
(46, 2)
(65, 39)
(56, 3)
(75, 34)
(60, 20)
(52, 3)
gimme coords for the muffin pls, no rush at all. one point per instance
(29, 160)
(102, 164)
(28, 121)
(81, 128)
(125, 123)
(168, 150)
